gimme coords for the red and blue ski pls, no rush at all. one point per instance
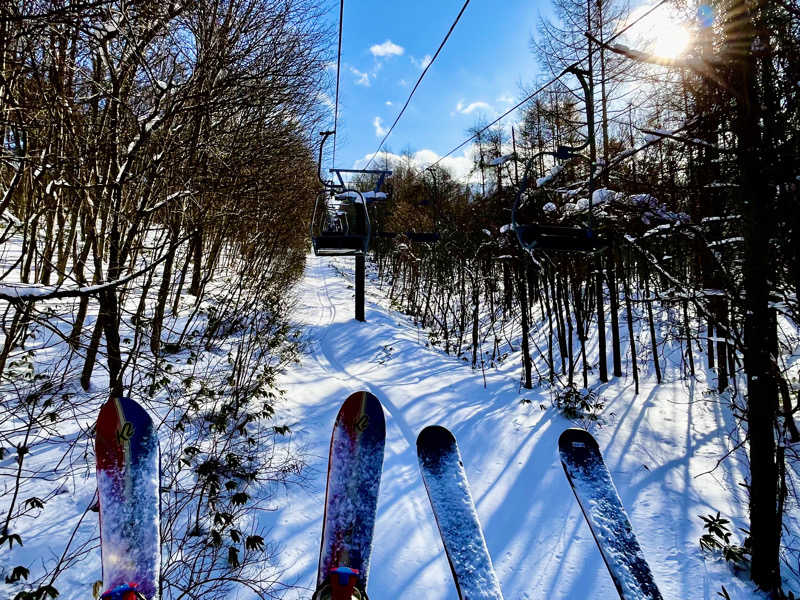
(448, 490)
(351, 497)
(610, 526)
(127, 454)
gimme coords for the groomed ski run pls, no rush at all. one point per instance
(660, 446)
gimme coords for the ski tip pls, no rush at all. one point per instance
(117, 412)
(570, 439)
(123, 427)
(123, 406)
(434, 439)
(363, 400)
(361, 416)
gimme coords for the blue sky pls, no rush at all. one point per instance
(478, 73)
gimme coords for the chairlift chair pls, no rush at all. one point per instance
(427, 237)
(351, 211)
(561, 238)
(556, 238)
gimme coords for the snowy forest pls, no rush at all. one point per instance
(159, 172)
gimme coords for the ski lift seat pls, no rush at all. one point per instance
(339, 245)
(343, 230)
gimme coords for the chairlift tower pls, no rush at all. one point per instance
(340, 224)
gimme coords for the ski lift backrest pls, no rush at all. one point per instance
(351, 212)
(560, 238)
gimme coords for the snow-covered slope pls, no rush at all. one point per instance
(661, 446)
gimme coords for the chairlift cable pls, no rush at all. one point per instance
(416, 85)
(631, 24)
(501, 117)
(338, 65)
(543, 87)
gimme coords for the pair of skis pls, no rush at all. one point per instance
(128, 468)
(351, 498)
(128, 472)
(128, 486)
(448, 491)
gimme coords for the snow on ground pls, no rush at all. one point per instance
(661, 447)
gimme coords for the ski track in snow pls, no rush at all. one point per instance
(655, 444)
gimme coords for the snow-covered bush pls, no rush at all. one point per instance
(578, 403)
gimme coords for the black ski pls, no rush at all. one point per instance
(610, 526)
(448, 491)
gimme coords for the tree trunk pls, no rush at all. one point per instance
(631, 339)
(555, 286)
(757, 200)
(163, 293)
(651, 325)
(526, 353)
(91, 353)
(601, 320)
(197, 274)
(688, 333)
(475, 314)
(548, 309)
(614, 299)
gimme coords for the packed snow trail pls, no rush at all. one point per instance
(656, 444)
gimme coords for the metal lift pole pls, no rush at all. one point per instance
(360, 269)
(360, 277)
(362, 223)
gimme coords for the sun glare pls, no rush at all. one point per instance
(670, 39)
(663, 32)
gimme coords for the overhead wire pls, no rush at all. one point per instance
(542, 88)
(501, 117)
(416, 85)
(338, 65)
(638, 19)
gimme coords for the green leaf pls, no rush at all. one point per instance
(233, 557)
(34, 502)
(19, 572)
(254, 542)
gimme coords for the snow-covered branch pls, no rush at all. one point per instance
(168, 199)
(35, 292)
(706, 68)
(660, 133)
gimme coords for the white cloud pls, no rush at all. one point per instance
(465, 110)
(506, 99)
(458, 166)
(327, 101)
(387, 48)
(362, 78)
(377, 122)
(389, 103)
(421, 64)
